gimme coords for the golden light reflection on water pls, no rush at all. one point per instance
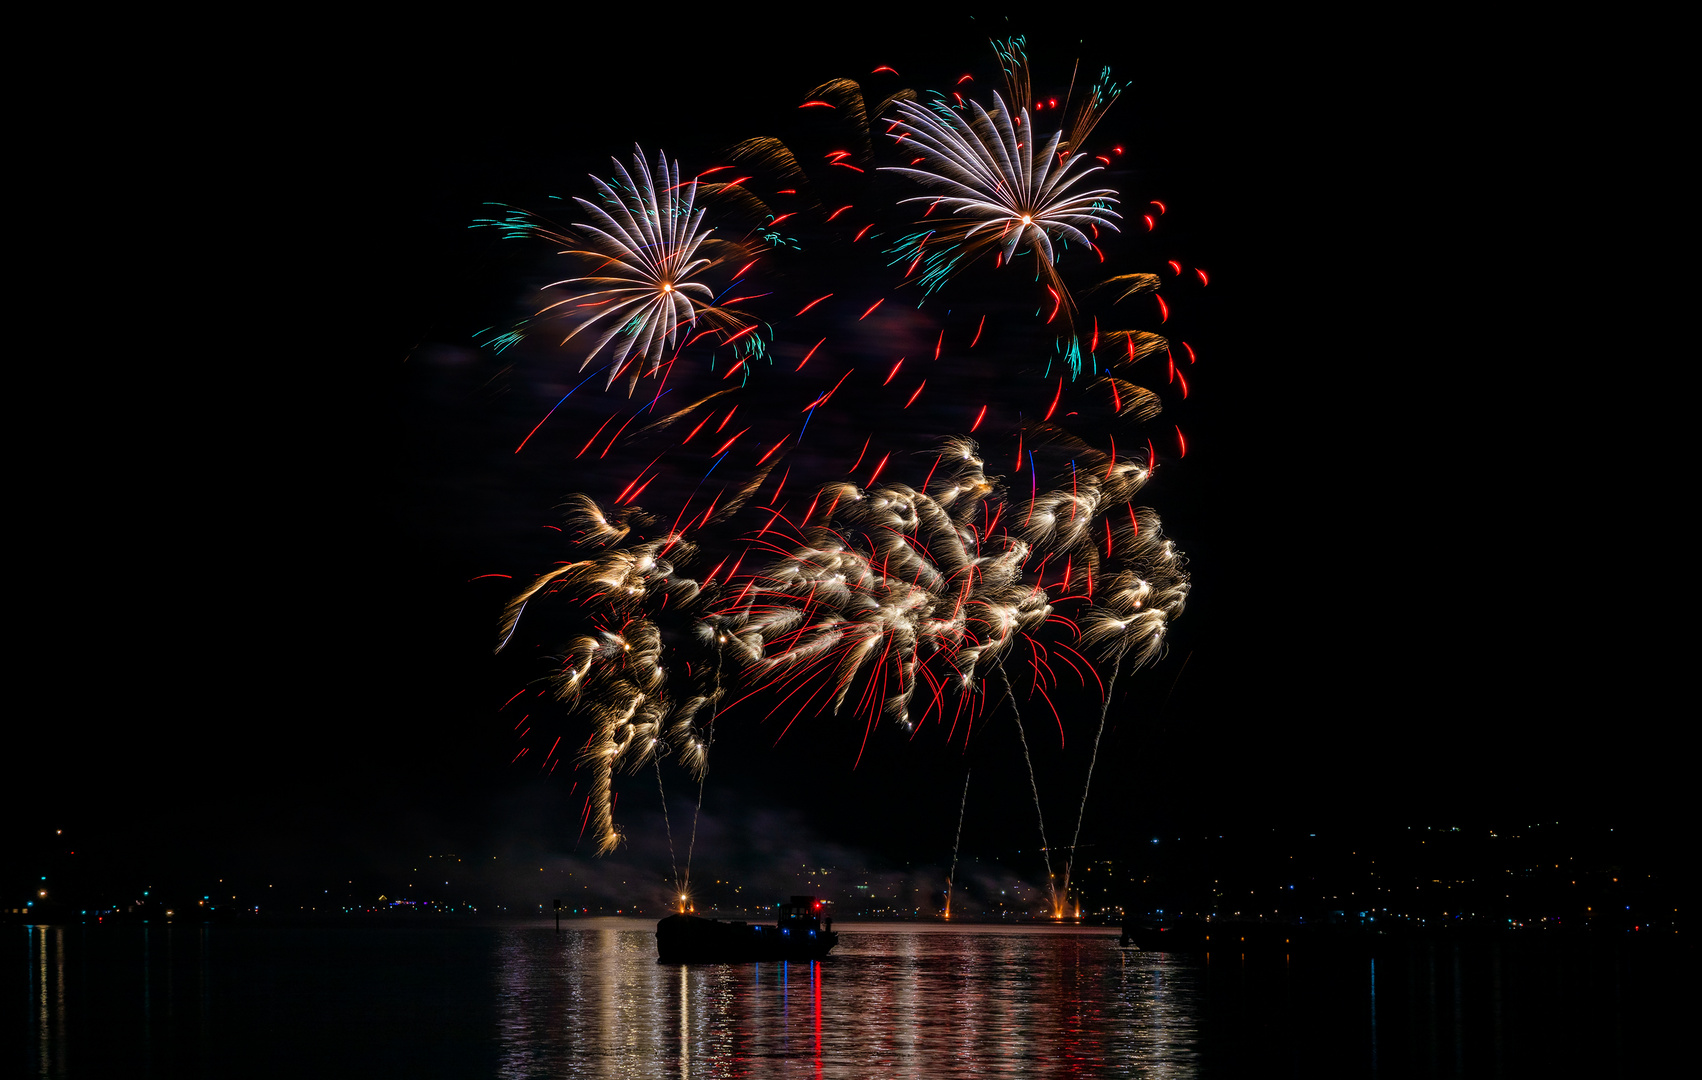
(905, 1001)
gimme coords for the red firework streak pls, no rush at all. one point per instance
(617, 435)
(699, 427)
(635, 479)
(809, 354)
(593, 438)
(936, 465)
(727, 444)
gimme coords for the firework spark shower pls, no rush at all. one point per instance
(880, 439)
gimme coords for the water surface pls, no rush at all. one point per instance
(520, 1000)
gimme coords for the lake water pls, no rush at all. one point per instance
(897, 1000)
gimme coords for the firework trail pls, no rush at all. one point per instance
(1130, 620)
(957, 840)
(1134, 604)
(668, 829)
(1138, 584)
(1034, 785)
(701, 741)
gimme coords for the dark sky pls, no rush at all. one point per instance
(1396, 502)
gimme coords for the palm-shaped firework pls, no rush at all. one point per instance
(644, 293)
(986, 169)
(1001, 190)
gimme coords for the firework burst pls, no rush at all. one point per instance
(644, 292)
(897, 586)
(1003, 192)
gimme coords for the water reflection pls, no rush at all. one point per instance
(911, 1001)
(457, 1000)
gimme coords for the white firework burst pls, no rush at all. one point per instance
(645, 235)
(988, 169)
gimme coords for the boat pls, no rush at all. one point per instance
(799, 933)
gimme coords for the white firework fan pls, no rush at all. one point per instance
(987, 169)
(646, 239)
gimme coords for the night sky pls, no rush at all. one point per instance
(1398, 502)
